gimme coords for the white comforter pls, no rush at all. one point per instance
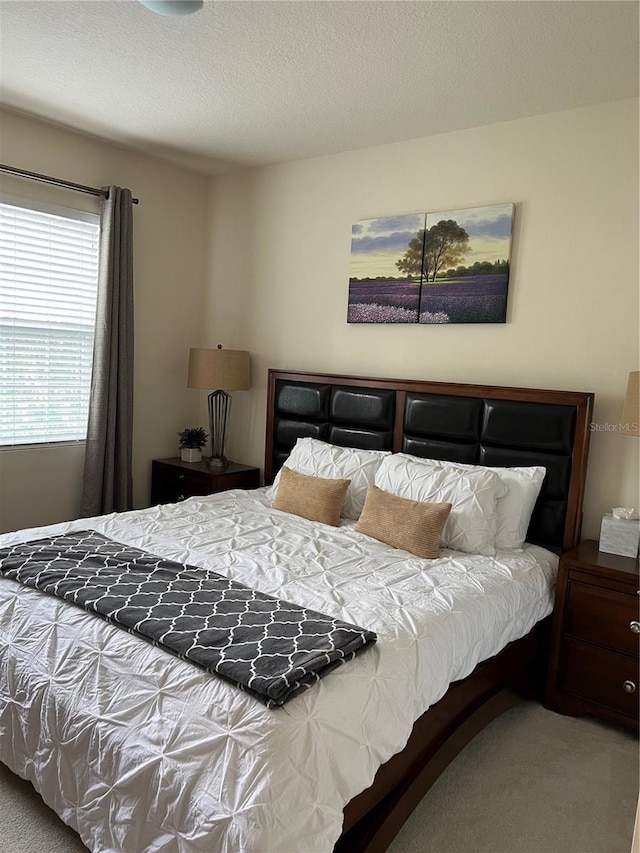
(140, 751)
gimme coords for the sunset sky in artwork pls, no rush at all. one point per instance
(376, 244)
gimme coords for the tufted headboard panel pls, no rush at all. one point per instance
(487, 425)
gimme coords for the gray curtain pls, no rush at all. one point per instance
(107, 485)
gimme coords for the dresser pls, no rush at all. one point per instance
(593, 665)
(173, 480)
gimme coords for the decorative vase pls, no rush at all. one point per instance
(191, 454)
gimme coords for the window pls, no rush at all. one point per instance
(48, 287)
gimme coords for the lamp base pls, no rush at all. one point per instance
(219, 405)
(218, 462)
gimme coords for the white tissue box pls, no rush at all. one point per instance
(620, 535)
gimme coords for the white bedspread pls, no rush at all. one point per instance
(140, 751)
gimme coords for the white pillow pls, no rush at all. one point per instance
(515, 507)
(471, 526)
(319, 459)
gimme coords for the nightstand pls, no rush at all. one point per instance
(173, 480)
(593, 666)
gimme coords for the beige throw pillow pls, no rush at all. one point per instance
(414, 526)
(315, 498)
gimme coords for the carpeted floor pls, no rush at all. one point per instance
(532, 782)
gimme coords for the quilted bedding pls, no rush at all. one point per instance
(140, 751)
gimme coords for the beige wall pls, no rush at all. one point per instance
(274, 244)
(279, 258)
(42, 485)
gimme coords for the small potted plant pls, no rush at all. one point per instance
(192, 440)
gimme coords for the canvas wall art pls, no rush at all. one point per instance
(450, 266)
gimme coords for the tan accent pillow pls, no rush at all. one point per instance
(315, 498)
(415, 526)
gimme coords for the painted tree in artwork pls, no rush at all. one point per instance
(436, 248)
(413, 261)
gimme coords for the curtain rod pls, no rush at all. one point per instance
(45, 179)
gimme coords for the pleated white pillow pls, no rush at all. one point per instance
(320, 459)
(514, 508)
(473, 495)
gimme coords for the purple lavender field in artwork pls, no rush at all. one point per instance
(373, 301)
(435, 268)
(475, 299)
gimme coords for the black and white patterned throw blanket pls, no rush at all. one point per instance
(270, 648)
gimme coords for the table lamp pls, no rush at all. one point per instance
(620, 530)
(630, 423)
(225, 370)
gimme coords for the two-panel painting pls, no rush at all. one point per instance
(445, 267)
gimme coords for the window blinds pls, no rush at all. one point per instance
(48, 287)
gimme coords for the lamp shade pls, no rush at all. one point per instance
(630, 423)
(220, 369)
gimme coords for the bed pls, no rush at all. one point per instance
(139, 750)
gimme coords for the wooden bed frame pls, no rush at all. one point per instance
(483, 424)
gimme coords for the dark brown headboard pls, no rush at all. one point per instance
(483, 424)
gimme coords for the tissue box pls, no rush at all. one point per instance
(620, 535)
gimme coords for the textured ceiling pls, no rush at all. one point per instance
(246, 83)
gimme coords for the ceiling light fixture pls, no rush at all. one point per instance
(174, 8)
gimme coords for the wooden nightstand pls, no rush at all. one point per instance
(173, 480)
(593, 666)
